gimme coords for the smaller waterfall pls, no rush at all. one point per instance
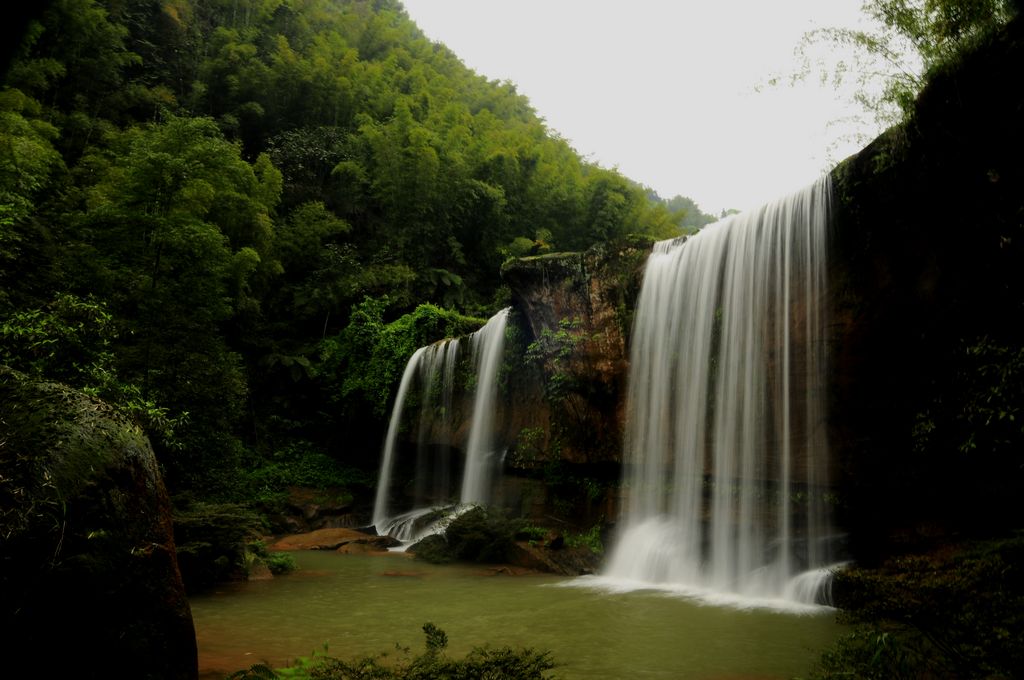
(425, 364)
(433, 369)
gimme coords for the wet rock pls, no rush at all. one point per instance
(928, 254)
(563, 561)
(335, 539)
(577, 309)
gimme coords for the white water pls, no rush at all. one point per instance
(726, 458)
(482, 459)
(380, 504)
(428, 365)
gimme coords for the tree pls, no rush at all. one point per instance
(29, 166)
(180, 228)
(912, 39)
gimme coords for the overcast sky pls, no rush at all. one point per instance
(664, 90)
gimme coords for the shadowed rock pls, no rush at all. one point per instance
(89, 581)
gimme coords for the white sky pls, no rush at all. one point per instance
(664, 90)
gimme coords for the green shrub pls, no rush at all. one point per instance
(212, 540)
(277, 562)
(299, 464)
(486, 663)
(590, 539)
(955, 614)
(369, 355)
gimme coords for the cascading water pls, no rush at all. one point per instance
(725, 451)
(433, 367)
(425, 364)
(481, 457)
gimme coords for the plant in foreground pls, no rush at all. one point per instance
(485, 663)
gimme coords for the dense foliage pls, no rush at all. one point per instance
(212, 212)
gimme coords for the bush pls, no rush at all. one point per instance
(484, 663)
(277, 562)
(212, 540)
(369, 355)
(955, 614)
(299, 464)
(589, 539)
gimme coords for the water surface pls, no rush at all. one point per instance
(366, 604)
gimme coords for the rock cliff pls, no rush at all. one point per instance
(929, 292)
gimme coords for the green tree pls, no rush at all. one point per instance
(179, 225)
(911, 40)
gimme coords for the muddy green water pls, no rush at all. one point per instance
(365, 604)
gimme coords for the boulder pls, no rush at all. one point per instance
(562, 560)
(89, 581)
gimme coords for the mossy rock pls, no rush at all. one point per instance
(88, 556)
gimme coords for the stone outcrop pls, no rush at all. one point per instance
(89, 583)
(565, 404)
(576, 311)
(340, 539)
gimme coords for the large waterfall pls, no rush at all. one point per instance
(726, 459)
(432, 369)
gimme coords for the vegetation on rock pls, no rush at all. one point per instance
(910, 42)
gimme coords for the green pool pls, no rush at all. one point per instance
(366, 604)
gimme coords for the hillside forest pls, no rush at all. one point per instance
(236, 220)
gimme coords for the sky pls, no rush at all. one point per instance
(670, 92)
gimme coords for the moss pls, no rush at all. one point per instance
(81, 436)
(479, 535)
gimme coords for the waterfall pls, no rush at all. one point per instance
(482, 459)
(433, 370)
(726, 457)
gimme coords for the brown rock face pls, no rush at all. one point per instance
(335, 539)
(564, 407)
(561, 390)
(575, 310)
(89, 582)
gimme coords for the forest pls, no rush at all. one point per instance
(213, 214)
